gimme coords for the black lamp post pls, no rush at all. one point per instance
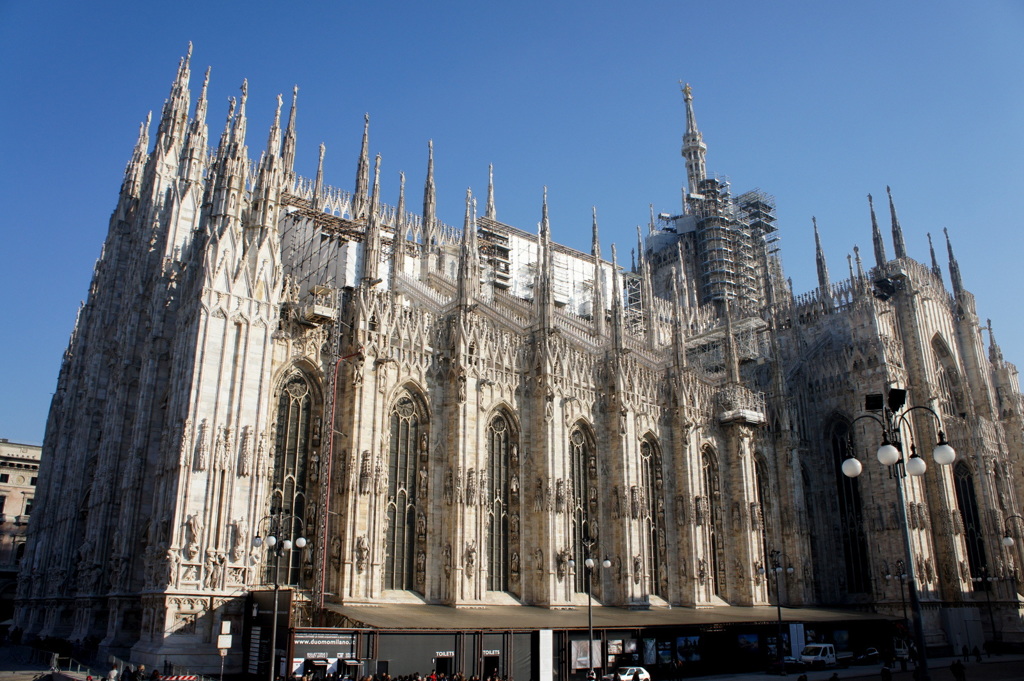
(279, 523)
(1008, 542)
(901, 574)
(776, 567)
(891, 415)
(985, 579)
(589, 564)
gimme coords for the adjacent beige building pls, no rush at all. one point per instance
(19, 468)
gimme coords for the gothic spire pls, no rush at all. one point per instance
(860, 265)
(684, 283)
(238, 132)
(849, 263)
(694, 149)
(897, 232)
(646, 300)
(199, 120)
(274, 138)
(954, 267)
(489, 212)
(876, 237)
(617, 311)
(597, 304)
(134, 170)
(544, 289)
(174, 117)
(468, 271)
(995, 353)
(819, 258)
(318, 185)
(429, 192)
(288, 150)
(363, 172)
(936, 270)
(678, 342)
(225, 136)
(372, 246)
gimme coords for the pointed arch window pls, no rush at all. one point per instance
(500, 439)
(293, 447)
(408, 427)
(967, 503)
(947, 377)
(709, 512)
(653, 520)
(581, 451)
(760, 519)
(851, 513)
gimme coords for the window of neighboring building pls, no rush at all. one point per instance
(4, 477)
(33, 481)
(28, 506)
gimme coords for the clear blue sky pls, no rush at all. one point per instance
(817, 103)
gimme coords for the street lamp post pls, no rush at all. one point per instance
(279, 523)
(1008, 542)
(589, 564)
(776, 567)
(891, 414)
(901, 574)
(984, 578)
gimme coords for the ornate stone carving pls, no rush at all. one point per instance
(362, 553)
(240, 539)
(195, 535)
(470, 559)
(202, 446)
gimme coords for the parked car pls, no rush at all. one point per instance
(869, 656)
(788, 664)
(626, 674)
(821, 655)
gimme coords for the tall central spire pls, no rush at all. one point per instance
(694, 149)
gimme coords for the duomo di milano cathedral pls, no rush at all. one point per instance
(460, 416)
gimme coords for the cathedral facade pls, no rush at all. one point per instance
(463, 417)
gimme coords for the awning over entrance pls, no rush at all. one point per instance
(401, 617)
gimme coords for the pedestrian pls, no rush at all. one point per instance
(112, 674)
(834, 677)
(977, 654)
(958, 670)
(886, 673)
(802, 677)
(967, 653)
